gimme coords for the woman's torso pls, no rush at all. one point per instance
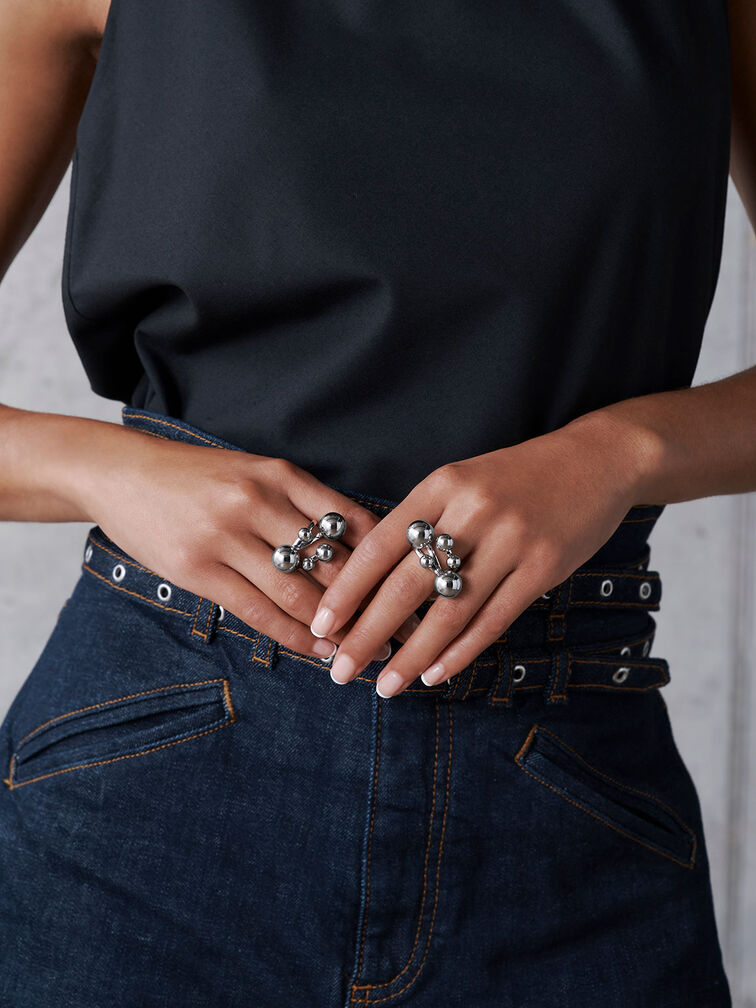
(376, 237)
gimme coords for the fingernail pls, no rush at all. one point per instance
(322, 622)
(385, 652)
(433, 675)
(388, 684)
(324, 648)
(343, 668)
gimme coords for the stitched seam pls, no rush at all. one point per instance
(387, 983)
(627, 787)
(107, 703)
(619, 575)
(370, 841)
(12, 785)
(409, 983)
(142, 416)
(118, 556)
(128, 591)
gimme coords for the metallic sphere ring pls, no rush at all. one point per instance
(421, 536)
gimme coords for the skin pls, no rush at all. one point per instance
(204, 517)
(523, 518)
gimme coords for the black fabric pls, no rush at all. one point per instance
(374, 236)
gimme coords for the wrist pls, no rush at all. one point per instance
(634, 448)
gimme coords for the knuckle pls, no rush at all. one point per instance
(405, 584)
(448, 477)
(454, 619)
(252, 612)
(291, 594)
(368, 550)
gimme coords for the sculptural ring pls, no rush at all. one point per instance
(421, 535)
(287, 559)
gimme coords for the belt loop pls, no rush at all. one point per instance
(205, 620)
(500, 690)
(556, 687)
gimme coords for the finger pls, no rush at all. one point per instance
(253, 607)
(294, 592)
(314, 498)
(443, 622)
(371, 560)
(396, 599)
(511, 598)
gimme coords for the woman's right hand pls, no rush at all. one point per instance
(208, 519)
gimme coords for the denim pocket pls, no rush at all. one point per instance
(121, 728)
(635, 814)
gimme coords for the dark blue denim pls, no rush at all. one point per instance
(194, 816)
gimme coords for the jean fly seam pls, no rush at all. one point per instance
(372, 987)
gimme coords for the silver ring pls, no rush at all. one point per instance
(421, 536)
(287, 559)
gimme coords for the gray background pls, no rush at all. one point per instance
(705, 551)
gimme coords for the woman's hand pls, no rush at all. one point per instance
(522, 519)
(208, 519)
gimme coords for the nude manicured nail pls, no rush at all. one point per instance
(324, 648)
(433, 675)
(323, 621)
(343, 668)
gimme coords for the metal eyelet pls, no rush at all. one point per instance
(222, 612)
(119, 572)
(546, 595)
(626, 649)
(607, 586)
(646, 648)
(88, 553)
(645, 589)
(163, 591)
(621, 674)
(518, 673)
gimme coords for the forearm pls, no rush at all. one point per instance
(48, 464)
(682, 444)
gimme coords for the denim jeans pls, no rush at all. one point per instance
(195, 816)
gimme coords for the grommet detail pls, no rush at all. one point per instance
(119, 572)
(546, 595)
(88, 553)
(222, 612)
(518, 673)
(645, 589)
(626, 649)
(607, 586)
(646, 648)
(163, 591)
(621, 674)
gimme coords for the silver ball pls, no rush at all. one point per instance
(426, 561)
(453, 562)
(419, 533)
(285, 558)
(448, 584)
(305, 534)
(444, 541)
(325, 551)
(332, 525)
(307, 563)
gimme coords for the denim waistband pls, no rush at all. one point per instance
(592, 631)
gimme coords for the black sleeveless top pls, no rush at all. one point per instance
(374, 237)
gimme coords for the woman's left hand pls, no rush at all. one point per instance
(522, 518)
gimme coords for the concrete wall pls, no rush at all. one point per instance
(705, 551)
